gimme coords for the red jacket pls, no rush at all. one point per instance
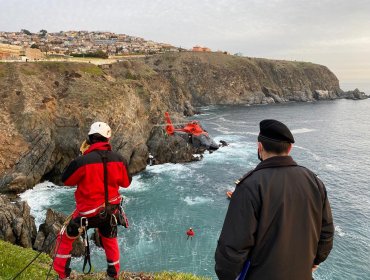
(87, 172)
(190, 232)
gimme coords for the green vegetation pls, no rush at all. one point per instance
(27, 71)
(2, 71)
(146, 276)
(130, 75)
(25, 31)
(177, 276)
(92, 69)
(55, 66)
(43, 32)
(97, 54)
(14, 258)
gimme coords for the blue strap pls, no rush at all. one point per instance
(242, 274)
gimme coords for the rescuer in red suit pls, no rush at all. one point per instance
(97, 173)
(190, 233)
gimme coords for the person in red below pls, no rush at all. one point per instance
(190, 233)
(97, 169)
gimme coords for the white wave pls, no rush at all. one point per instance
(230, 138)
(235, 122)
(137, 185)
(339, 231)
(251, 133)
(332, 167)
(224, 130)
(44, 196)
(201, 114)
(197, 200)
(315, 156)
(302, 130)
(167, 167)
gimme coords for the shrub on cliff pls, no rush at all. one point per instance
(97, 54)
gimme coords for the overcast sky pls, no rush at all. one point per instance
(335, 33)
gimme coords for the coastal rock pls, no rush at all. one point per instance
(165, 148)
(46, 236)
(274, 94)
(48, 107)
(17, 226)
(354, 94)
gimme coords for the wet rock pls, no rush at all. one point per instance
(354, 94)
(223, 143)
(46, 237)
(324, 95)
(165, 148)
(17, 226)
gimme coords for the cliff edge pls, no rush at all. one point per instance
(47, 107)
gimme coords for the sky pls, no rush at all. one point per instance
(334, 33)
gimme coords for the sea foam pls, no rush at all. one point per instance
(197, 200)
(43, 196)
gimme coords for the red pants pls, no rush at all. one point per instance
(64, 248)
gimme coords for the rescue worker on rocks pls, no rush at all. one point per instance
(98, 166)
(279, 220)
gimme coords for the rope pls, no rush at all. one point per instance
(55, 252)
(65, 224)
(19, 273)
(61, 231)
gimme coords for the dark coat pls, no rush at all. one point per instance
(280, 219)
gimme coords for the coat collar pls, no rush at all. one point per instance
(100, 146)
(277, 161)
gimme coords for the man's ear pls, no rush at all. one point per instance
(260, 147)
(290, 148)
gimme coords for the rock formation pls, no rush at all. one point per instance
(47, 107)
(354, 94)
(46, 237)
(17, 226)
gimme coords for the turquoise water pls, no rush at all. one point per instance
(332, 139)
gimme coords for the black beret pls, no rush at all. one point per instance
(274, 130)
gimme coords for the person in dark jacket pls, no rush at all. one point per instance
(97, 169)
(279, 220)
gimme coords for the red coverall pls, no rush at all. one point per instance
(87, 172)
(190, 233)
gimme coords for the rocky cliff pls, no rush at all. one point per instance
(17, 226)
(47, 107)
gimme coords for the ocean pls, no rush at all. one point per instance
(332, 139)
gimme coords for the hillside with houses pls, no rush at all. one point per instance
(69, 43)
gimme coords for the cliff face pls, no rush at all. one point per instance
(222, 79)
(47, 107)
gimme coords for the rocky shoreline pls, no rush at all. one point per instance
(48, 106)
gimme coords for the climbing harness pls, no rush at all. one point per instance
(84, 222)
(111, 213)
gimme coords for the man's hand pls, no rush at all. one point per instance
(315, 267)
(84, 147)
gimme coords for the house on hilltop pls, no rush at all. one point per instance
(201, 49)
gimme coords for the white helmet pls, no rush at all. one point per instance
(102, 128)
